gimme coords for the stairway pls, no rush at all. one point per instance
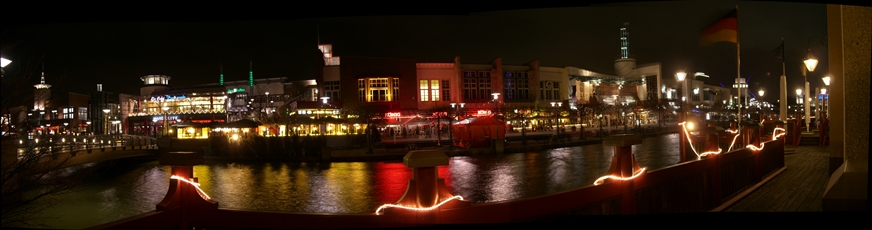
(812, 138)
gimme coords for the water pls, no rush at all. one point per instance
(131, 187)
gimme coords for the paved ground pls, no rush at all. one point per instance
(799, 188)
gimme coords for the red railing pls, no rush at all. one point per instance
(692, 186)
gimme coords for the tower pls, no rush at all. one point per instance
(41, 94)
(154, 83)
(625, 65)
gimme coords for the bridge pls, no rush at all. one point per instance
(715, 179)
(61, 151)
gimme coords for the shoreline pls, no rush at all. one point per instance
(383, 154)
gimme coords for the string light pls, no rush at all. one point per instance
(601, 180)
(734, 139)
(700, 155)
(779, 135)
(417, 209)
(195, 184)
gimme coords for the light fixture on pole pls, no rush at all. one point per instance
(106, 121)
(165, 120)
(680, 76)
(810, 63)
(456, 108)
(3, 63)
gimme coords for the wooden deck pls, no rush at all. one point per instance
(799, 188)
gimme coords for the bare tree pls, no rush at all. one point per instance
(34, 172)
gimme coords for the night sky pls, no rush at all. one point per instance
(79, 54)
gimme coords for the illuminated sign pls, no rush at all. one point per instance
(236, 90)
(483, 112)
(438, 114)
(392, 114)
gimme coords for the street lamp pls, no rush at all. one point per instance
(761, 92)
(165, 125)
(106, 121)
(455, 107)
(680, 76)
(89, 126)
(810, 63)
(556, 106)
(3, 63)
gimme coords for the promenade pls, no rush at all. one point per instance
(799, 188)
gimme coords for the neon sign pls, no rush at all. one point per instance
(392, 114)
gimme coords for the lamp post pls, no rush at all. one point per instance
(810, 63)
(556, 106)
(165, 124)
(456, 108)
(3, 63)
(761, 103)
(105, 121)
(89, 126)
(826, 96)
(680, 76)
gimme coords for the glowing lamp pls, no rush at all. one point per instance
(827, 80)
(798, 92)
(4, 62)
(760, 92)
(810, 62)
(823, 91)
(680, 76)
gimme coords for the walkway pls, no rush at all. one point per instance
(799, 188)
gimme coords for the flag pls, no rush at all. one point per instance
(779, 52)
(723, 30)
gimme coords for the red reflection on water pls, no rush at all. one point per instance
(392, 178)
(390, 181)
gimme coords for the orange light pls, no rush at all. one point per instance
(196, 185)
(699, 155)
(417, 209)
(601, 180)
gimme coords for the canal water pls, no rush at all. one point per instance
(132, 187)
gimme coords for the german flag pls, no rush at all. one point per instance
(723, 30)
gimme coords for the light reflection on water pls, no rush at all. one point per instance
(130, 188)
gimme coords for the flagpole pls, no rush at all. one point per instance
(738, 71)
(782, 115)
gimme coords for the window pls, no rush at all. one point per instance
(69, 113)
(476, 85)
(549, 90)
(331, 89)
(429, 90)
(515, 85)
(446, 91)
(378, 89)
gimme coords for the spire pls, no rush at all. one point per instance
(250, 75)
(625, 43)
(221, 80)
(42, 84)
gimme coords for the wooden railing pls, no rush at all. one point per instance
(693, 186)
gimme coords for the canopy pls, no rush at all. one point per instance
(244, 123)
(478, 132)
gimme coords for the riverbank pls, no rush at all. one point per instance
(395, 150)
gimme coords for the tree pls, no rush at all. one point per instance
(33, 172)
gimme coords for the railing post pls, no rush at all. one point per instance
(425, 189)
(712, 145)
(182, 166)
(753, 130)
(624, 166)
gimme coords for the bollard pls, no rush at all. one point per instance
(711, 143)
(624, 166)
(182, 195)
(753, 134)
(425, 189)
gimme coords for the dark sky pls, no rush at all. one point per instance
(80, 54)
